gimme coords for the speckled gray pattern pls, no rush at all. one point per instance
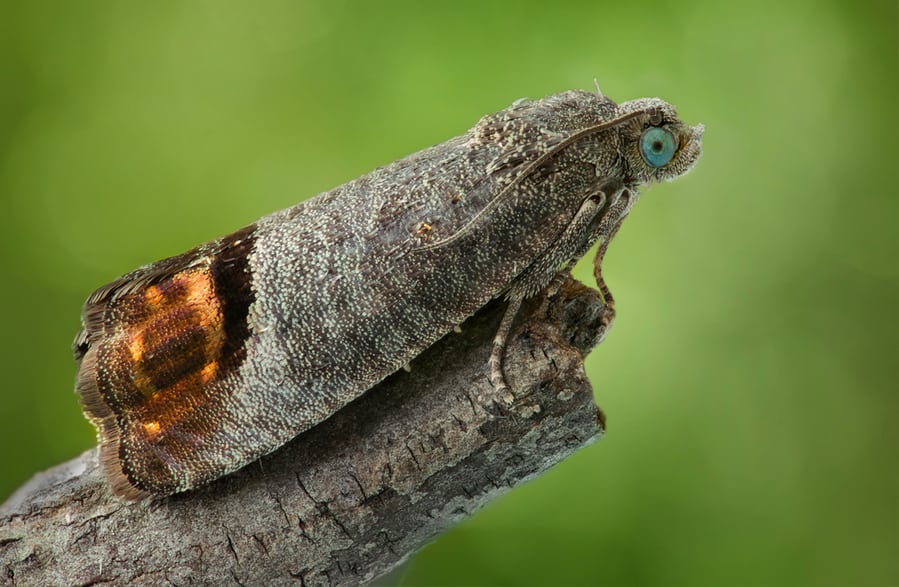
(353, 284)
(345, 293)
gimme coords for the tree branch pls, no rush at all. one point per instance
(347, 501)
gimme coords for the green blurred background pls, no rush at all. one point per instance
(751, 378)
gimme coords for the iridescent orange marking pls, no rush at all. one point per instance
(423, 231)
(173, 333)
(154, 296)
(136, 346)
(201, 297)
(208, 372)
(151, 428)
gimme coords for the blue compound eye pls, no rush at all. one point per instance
(657, 146)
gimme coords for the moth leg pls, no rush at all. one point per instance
(607, 297)
(554, 286)
(608, 232)
(558, 281)
(574, 242)
(590, 220)
(495, 362)
(598, 217)
(571, 245)
(608, 310)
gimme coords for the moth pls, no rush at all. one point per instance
(193, 366)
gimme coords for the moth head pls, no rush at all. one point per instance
(655, 145)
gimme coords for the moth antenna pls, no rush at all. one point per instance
(533, 166)
(598, 91)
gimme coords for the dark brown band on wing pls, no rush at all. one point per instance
(232, 279)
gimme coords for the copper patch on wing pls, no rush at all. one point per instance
(159, 352)
(164, 348)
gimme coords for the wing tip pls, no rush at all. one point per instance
(109, 434)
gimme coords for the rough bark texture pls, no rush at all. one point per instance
(347, 501)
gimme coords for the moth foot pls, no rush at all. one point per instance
(555, 285)
(498, 379)
(495, 362)
(504, 392)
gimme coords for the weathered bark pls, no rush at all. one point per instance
(347, 501)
